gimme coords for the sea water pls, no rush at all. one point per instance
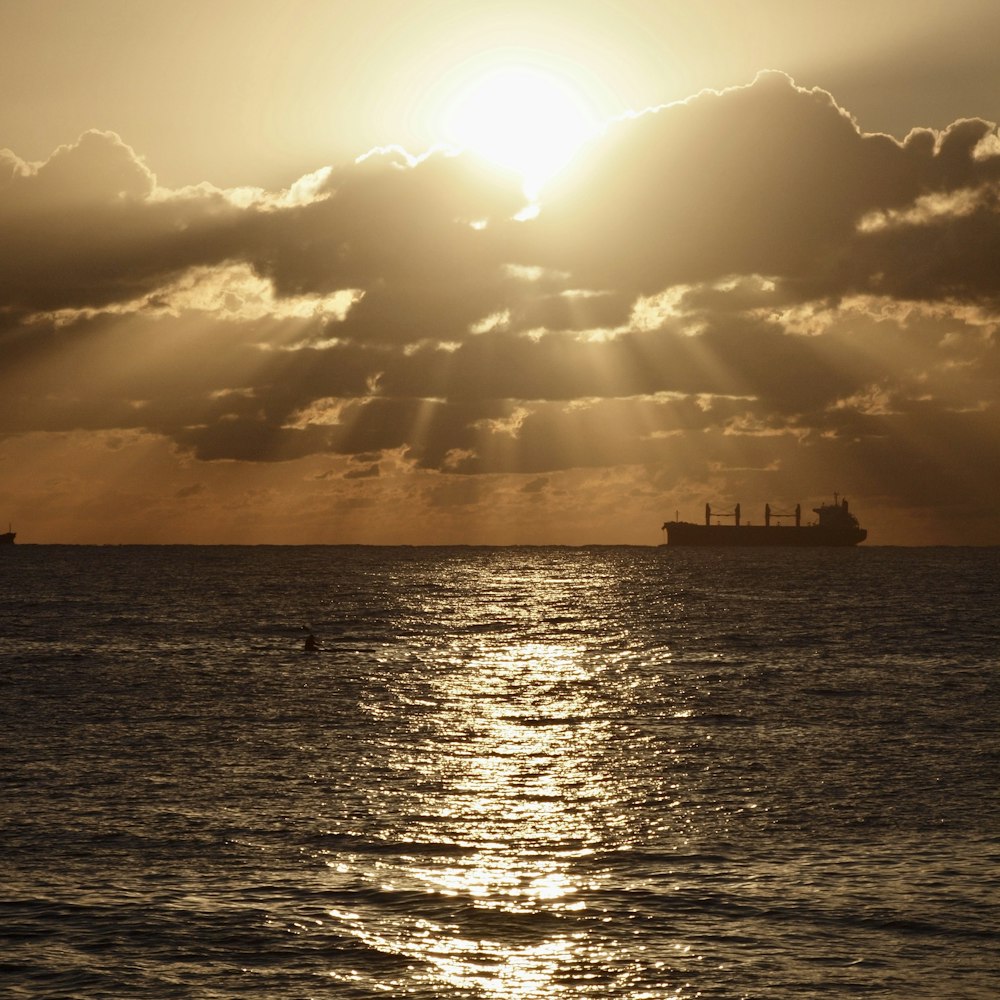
(512, 772)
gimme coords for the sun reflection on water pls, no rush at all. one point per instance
(515, 736)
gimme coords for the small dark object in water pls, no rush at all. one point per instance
(310, 645)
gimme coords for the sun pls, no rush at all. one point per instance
(522, 118)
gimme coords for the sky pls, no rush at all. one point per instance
(496, 272)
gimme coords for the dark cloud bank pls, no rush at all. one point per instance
(742, 293)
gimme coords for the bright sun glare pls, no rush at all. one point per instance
(521, 118)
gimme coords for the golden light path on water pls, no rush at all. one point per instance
(501, 783)
(513, 794)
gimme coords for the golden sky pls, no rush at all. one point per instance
(477, 272)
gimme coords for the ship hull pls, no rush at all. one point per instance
(760, 536)
(7, 537)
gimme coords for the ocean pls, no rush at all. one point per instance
(615, 772)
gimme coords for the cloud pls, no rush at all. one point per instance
(743, 285)
(365, 472)
(97, 170)
(84, 229)
(770, 179)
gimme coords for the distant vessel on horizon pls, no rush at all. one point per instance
(7, 537)
(837, 526)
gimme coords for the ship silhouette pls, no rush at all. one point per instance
(836, 526)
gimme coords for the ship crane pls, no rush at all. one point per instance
(734, 514)
(773, 515)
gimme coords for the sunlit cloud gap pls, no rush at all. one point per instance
(522, 118)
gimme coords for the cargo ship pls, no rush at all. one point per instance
(7, 537)
(837, 526)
